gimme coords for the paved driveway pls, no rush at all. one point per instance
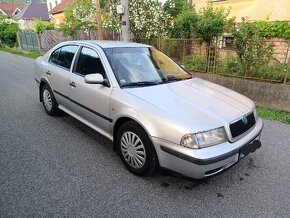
(55, 167)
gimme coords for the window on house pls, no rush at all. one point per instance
(50, 5)
(228, 41)
(16, 11)
(57, 21)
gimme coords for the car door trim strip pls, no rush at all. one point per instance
(90, 110)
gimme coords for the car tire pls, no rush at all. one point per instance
(136, 150)
(48, 100)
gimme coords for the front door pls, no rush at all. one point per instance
(90, 101)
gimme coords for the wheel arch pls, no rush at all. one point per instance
(41, 84)
(119, 122)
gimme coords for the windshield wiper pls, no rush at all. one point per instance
(138, 84)
(173, 79)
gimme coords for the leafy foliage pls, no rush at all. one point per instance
(195, 63)
(175, 7)
(252, 49)
(80, 16)
(147, 18)
(41, 26)
(8, 30)
(211, 23)
(280, 29)
(185, 24)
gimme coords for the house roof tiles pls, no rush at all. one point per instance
(34, 11)
(8, 8)
(61, 7)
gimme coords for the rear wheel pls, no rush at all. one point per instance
(48, 100)
(136, 149)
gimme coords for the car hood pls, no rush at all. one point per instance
(199, 104)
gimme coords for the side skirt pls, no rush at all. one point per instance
(99, 130)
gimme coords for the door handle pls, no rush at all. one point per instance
(72, 84)
(48, 73)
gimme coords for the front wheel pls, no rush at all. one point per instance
(136, 149)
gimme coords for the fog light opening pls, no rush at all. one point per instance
(214, 171)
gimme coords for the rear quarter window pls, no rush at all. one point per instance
(63, 56)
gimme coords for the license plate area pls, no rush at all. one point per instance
(249, 148)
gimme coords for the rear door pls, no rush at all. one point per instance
(90, 101)
(58, 70)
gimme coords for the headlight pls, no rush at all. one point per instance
(204, 139)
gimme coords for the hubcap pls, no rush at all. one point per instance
(47, 100)
(133, 150)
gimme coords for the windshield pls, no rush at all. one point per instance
(143, 67)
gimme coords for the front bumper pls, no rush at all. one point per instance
(200, 163)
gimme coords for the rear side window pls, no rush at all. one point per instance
(66, 55)
(63, 56)
(89, 62)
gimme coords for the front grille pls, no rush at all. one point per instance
(243, 125)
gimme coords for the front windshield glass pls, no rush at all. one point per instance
(143, 66)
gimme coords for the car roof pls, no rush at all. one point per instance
(110, 44)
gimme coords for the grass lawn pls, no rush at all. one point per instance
(273, 114)
(30, 54)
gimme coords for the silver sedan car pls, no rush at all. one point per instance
(155, 113)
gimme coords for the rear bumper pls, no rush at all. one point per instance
(200, 163)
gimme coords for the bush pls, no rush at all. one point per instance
(40, 26)
(229, 66)
(8, 30)
(253, 51)
(195, 63)
(274, 72)
(232, 66)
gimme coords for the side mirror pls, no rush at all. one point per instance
(96, 78)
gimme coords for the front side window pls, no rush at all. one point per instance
(89, 62)
(143, 66)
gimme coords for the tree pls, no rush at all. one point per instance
(210, 23)
(185, 24)
(147, 18)
(80, 16)
(175, 7)
(181, 17)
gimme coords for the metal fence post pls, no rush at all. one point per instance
(183, 53)
(25, 43)
(287, 72)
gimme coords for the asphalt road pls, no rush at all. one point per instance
(58, 167)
